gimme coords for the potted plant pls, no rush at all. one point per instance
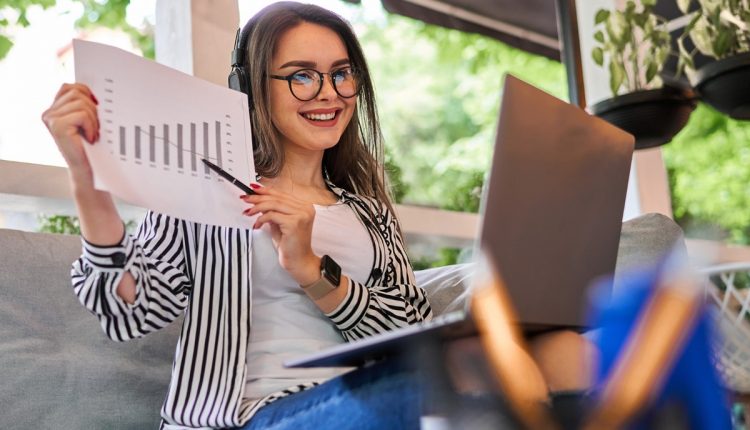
(635, 44)
(719, 30)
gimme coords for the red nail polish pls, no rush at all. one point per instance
(254, 186)
(94, 99)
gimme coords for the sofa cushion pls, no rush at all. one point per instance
(58, 368)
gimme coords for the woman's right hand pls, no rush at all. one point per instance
(71, 119)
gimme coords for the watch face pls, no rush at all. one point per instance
(330, 270)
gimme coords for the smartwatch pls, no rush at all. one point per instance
(330, 277)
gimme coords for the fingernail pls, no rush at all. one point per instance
(255, 186)
(255, 226)
(94, 99)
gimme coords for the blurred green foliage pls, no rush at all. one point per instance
(17, 17)
(112, 14)
(109, 13)
(438, 98)
(708, 165)
(59, 224)
(66, 224)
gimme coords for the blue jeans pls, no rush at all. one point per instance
(387, 395)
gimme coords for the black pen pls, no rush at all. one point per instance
(228, 177)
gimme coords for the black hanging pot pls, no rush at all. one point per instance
(725, 85)
(654, 117)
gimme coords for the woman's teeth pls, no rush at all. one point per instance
(320, 116)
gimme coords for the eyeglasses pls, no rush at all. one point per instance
(306, 84)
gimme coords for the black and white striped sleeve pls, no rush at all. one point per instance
(155, 259)
(394, 301)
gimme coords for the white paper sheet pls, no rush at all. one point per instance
(155, 125)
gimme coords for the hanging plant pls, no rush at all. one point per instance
(720, 30)
(634, 43)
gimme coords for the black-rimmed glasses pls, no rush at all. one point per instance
(306, 84)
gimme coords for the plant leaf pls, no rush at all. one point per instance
(616, 76)
(5, 45)
(648, 3)
(641, 19)
(601, 16)
(722, 43)
(701, 37)
(629, 7)
(598, 55)
(651, 71)
(22, 20)
(599, 36)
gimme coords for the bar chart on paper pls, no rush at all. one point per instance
(156, 124)
(176, 146)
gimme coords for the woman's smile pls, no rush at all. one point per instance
(322, 117)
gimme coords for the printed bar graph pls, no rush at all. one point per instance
(140, 143)
(154, 136)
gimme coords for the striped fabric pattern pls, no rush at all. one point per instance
(205, 272)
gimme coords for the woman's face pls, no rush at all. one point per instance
(316, 124)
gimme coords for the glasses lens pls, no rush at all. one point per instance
(345, 82)
(305, 84)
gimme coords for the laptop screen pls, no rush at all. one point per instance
(553, 203)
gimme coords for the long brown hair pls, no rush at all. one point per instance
(356, 162)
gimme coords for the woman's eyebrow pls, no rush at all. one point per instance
(311, 64)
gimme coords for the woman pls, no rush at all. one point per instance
(257, 296)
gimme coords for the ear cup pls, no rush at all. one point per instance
(238, 79)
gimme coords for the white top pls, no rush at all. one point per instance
(286, 323)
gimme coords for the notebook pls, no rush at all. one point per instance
(551, 213)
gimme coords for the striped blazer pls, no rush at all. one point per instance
(205, 272)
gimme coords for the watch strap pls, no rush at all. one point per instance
(319, 288)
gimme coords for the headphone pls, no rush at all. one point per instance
(238, 79)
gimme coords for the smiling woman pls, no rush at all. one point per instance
(320, 262)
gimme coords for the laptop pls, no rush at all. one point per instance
(551, 218)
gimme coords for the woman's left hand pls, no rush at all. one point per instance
(290, 221)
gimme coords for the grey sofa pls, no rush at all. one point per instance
(59, 371)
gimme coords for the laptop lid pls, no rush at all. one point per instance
(553, 204)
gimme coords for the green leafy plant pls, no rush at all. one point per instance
(718, 29)
(634, 43)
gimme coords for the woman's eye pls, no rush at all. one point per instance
(303, 77)
(343, 73)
